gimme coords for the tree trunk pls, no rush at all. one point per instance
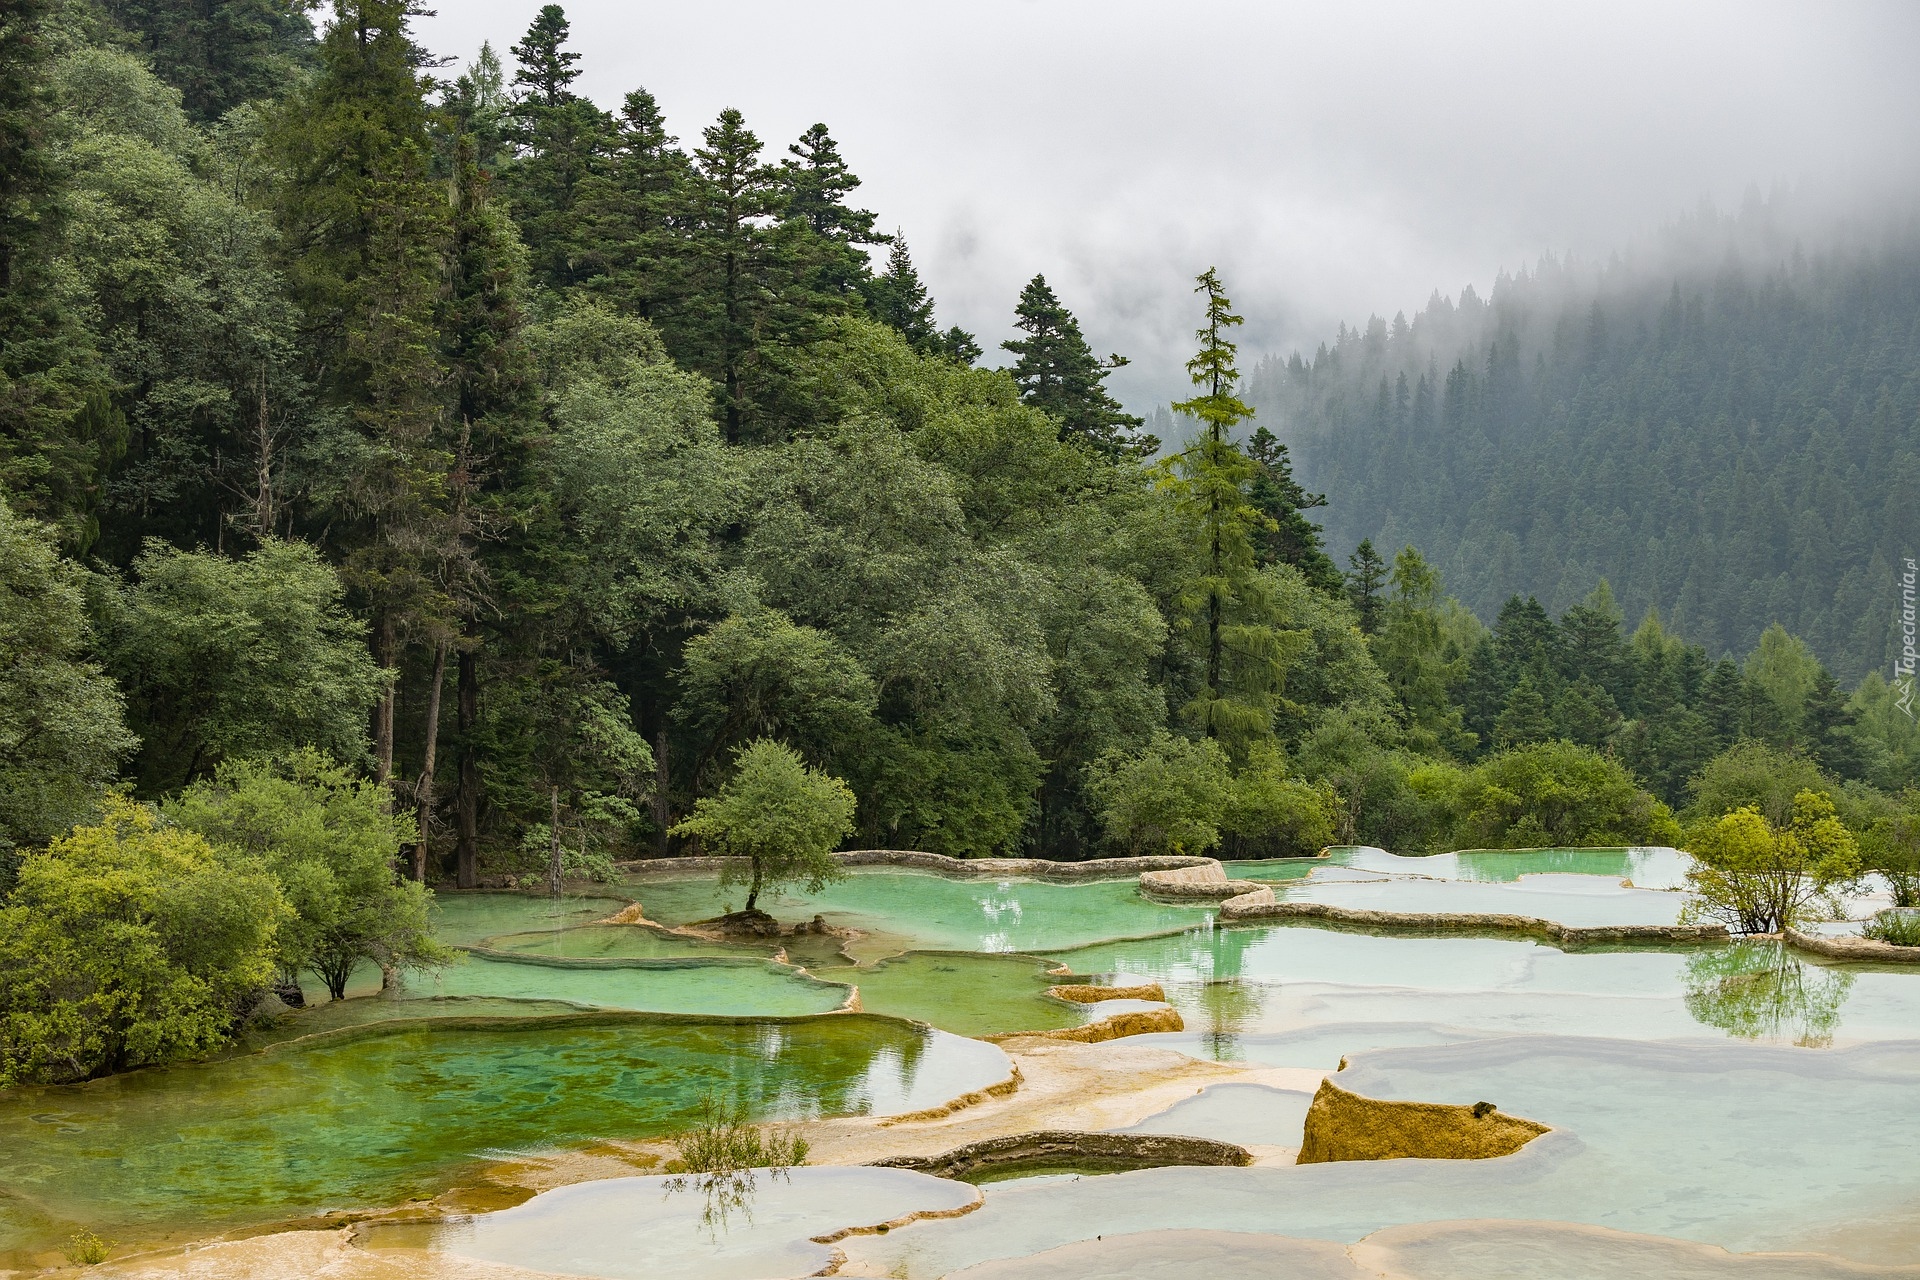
(383, 645)
(466, 804)
(423, 788)
(662, 806)
(553, 843)
(753, 890)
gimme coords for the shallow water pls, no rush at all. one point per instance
(909, 910)
(1738, 1145)
(753, 1227)
(469, 918)
(732, 987)
(377, 1120)
(1648, 867)
(616, 942)
(970, 995)
(1237, 983)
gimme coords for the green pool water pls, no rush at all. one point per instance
(377, 1120)
(731, 987)
(907, 910)
(1649, 867)
(467, 919)
(615, 942)
(971, 995)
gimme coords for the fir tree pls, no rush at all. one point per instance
(561, 138)
(1524, 719)
(900, 300)
(1294, 539)
(1827, 729)
(628, 241)
(1058, 373)
(818, 183)
(1242, 656)
(219, 53)
(1366, 575)
(368, 228)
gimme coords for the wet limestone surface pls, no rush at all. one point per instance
(1342, 1125)
(1747, 1147)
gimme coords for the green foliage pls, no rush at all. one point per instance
(1890, 845)
(331, 842)
(782, 817)
(85, 1249)
(219, 54)
(1058, 374)
(1757, 875)
(223, 659)
(760, 676)
(1555, 795)
(1901, 927)
(1271, 815)
(130, 943)
(61, 732)
(1170, 797)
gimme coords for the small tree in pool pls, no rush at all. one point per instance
(779, 815)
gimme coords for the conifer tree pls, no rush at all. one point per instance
(218, 53)
(1294, 539)
(746, 294)
(899, 299)
(368, 228)
(1242, 655)
(561, 139)
(1366, 575)
(1058, 373)
(627, 241)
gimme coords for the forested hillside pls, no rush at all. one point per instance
(1728, 432)
(497, 474)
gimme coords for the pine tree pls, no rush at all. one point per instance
(1058, 373)
(900, 300)
(1366, 575)
(219, 53)
(1294, 539)
(1524, 719)
(748, 294)
(561, 139)
(1827, 729)
(1243, 657)
(368, 228)
(58, 422)
(627, 241)
(818, 183)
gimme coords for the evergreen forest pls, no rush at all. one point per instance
(438, 454)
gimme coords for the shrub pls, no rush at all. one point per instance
(1758, 876)
(1901, 928)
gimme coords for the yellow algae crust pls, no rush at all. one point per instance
(1346, 1126)
(1134, 1022)
(1088, 993)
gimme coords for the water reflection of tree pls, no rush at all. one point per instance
(1758, 990)
(1227, 1004)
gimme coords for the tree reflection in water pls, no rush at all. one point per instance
(1760, 991)
(722, 1157)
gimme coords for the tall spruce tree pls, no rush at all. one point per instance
(219, 53)
(1058, 373)
(1294, 539)
(366, 228)
(1242, 656)
(560, 140)
(1366, 579)
(818, 183)
(630, 214)
(899, 298)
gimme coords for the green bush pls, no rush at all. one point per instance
(1900, 927)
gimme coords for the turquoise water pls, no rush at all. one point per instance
(1742, 1146)
(1652, 867)
(648, 1227)
(741, 987)
(376, 1120)
(911, 910)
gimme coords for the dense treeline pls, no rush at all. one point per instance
(408, 480)
(1733, 440)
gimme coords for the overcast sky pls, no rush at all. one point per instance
(1331, 159)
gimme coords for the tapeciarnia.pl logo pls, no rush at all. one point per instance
(1903, 666)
